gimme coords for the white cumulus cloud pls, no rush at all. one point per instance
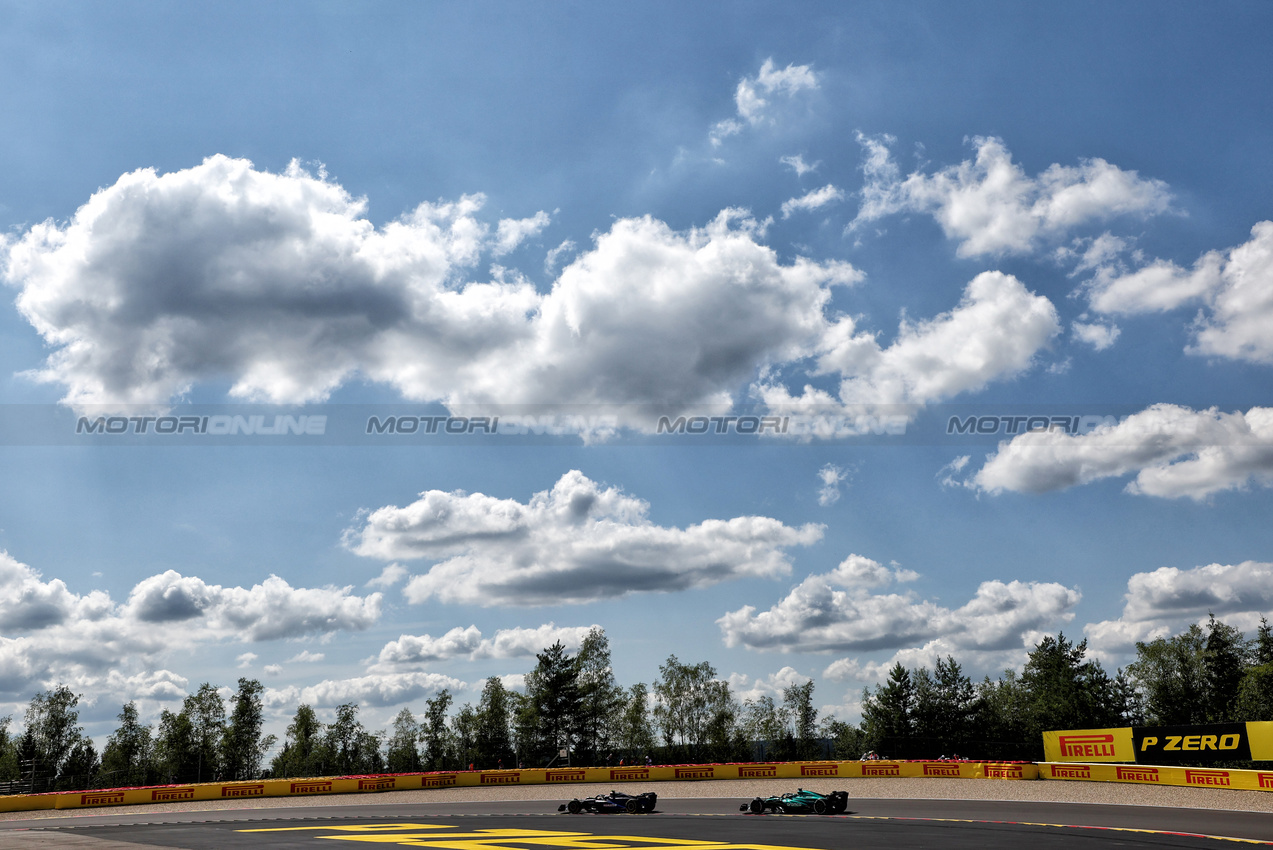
(577, 542)
(1168, 599)
(94, 641)
(991, 206)
(279, 285)
(1173, 452)
(1233, 287)
(841, 610)
(995, 332)
(469, 643)
(1095, 334)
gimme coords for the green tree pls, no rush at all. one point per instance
(944, 704)
(81, 767)
(353, 749)
(404, 751)
(765, 724)
(53, 721)
(600, 697)
(128, 756)
(8, 751)
(523, 726)
(1067, 691)
(797, 702)
(636, 733)
(242, 745)
(491, 739)
(1000, 714)
(304, 750)
(1262, 652)
(1224, 663)
(888, 713)
(1255, 694)
(464, 736)
(206, 712)
(434, 734)
(693, 709)
(176, 749)
(1171, 674)
(553, 688)
(847, 740)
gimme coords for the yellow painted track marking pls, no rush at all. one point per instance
(436, 836)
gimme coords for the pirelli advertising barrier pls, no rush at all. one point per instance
(245, 791)
(1196, 777)
(1162, 744)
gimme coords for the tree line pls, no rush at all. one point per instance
(572, 711)
(201, 742)
(1211, 675)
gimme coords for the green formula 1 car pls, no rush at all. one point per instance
(801, 802)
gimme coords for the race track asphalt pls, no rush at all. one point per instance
(710, 823)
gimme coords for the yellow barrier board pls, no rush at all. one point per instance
(802, 771)
(1195, 777)
(1089, 745)
(1158, 744)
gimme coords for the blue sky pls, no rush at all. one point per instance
(903, 212)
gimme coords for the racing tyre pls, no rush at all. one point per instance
(757, 806)
(819, 807)
(631, 806)
(574, 807)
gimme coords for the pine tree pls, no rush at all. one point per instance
(888, 713)
(553, 687)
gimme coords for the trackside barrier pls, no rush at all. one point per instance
(1194, 777)
(1215, 742)
(530, 776)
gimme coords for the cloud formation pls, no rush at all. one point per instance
(754, 96)
(89, 638)
(279, 284)
(813, 200)
(841, 610)
(1166, 600)
(1234, 288)
(469, 643)
(1173, 452)
(992, 207)
(832, 477)
(994, 332)
(377, 689)
(577, 542)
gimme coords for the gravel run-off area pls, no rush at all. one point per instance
(1038, 791)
